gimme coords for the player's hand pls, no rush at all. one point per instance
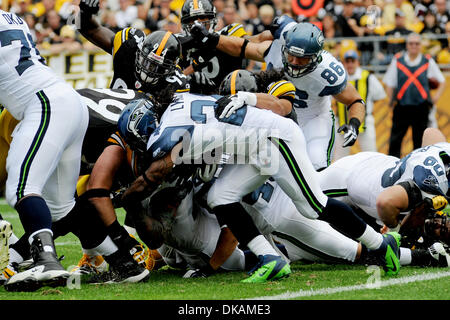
(238, 101)
(274, 26)
(351, 132)
(206, 172)
(203, 37)
(90, 6)
(436, 203)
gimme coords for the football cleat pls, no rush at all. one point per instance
(5, 233)
(139, 252)
(122, 269)
(90, 265)
(8, 272)
(269, 267)
(46, 271)
(439, 254)
(389, 253)
(154, 260)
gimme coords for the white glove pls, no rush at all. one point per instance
(238, 101)
(351, 132)
(206, 172)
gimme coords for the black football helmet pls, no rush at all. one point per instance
(198, 9)
(239, 80)
(157, 57)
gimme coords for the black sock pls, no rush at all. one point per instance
(22, 247)
(120, 236)
(341, 217)
(238, 220)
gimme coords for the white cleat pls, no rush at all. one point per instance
(437, 251)
(5, 233)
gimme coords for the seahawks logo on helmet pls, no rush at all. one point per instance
(320, 40)
(136, 117)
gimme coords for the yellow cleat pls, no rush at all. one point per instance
(154, 260)
(90, 265)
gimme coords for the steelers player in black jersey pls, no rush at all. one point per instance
(145, 63)
(209, 67)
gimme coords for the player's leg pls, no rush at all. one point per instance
(298, 179)
(39, 143)
(224, 198)
(320, 136)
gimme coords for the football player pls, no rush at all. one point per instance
(272, 92)
(145, 63)
(316, 74)
(104, 107)
(394, 186)
(195, 116)
(44, 156)
(211, 66)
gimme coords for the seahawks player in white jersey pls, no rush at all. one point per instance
(44, 158)
(316, 74)
(189, 131)
(394, 186)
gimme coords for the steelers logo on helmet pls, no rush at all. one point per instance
(202, 11)
(136, 123)
(303, 49)
(238, 80)
(157, 57)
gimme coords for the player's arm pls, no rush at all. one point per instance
(261, 37)
(390, 202)
(234, 46)
(356, 108)
(101, 178)
(432, 136)
(91, 29)
(283, 107)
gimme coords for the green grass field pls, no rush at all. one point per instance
(307, 282)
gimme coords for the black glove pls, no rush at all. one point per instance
(200, 83)
(89, 6)
(274, 26)
(203, 38)
(221, 104)
(351, 131)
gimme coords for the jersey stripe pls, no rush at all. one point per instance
(282, 88)
(37, 141)
(298, 176)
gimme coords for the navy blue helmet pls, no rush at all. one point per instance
(304, 40)
(136, 123)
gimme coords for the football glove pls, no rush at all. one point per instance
(89, 6)
(206, 172)
(238, 101)
(203, 38)
(274, 26)
(351, 131)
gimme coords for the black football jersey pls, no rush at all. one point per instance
(215, 64)
(125, 46)
(105, 106)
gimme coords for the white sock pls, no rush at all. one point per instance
(14, 256)
(13, 239)
(260, 246)
(371, 239)
(105, 248)
(405, 256)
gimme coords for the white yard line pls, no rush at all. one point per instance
(380, 284)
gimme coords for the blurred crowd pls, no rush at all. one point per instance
(52, 22)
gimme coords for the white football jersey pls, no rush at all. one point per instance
(193, 115)
(314, 90)
(22, 70)
(363, 176)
